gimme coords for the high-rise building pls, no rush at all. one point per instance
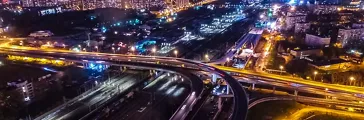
(39, 3)
(146, 4)
(346, 35)
(317, 41)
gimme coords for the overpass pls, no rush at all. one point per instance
(307, 100)
(273, 77)
(240, 98)
(252, 38)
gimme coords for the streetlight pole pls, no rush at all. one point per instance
(207, 57)
(154, 50)
(227, 61)
(314, 75)
(132, 49)
(97, 48)
(281, 67)
(351, 79)
(176, 53)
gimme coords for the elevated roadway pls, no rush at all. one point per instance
(298, 81)
(162, 63)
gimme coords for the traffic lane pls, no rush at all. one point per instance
(165, 104)
(76, 104)
(141, 100)
(157, 90)
(82, 110)
(128, 107)
(302, 89)
(240, 108)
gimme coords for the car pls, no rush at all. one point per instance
(141, 109)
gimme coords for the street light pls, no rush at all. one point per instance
(113, 49)
(132, 49)
(227, 61)
(351, 79)
(176, 53)
(154, 50)
(281, 67)
(314, 75)
(97, 48)
(207, 57)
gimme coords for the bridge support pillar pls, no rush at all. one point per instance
(253, 86)
(214, 78)
(274, 89)
(295, 92)
(219, 106)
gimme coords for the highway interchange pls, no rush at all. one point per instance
(168, 87)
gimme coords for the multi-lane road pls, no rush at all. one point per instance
(101, 93)
(157, 101)
(240, 104)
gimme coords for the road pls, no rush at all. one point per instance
(273, 77)
(304, 89)
(298, 115)
(240, 97)
(96, 97)
(309, 100)
(161, 98)
(251, 37)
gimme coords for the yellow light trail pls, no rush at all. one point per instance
(303, 112)
(36, 60)
(350, 89)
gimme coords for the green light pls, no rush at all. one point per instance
(270, 14)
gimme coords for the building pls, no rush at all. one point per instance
(292, 20)
(314, 40)
(301, 27)
(347, 35)
(2, 28)
(24, 87)
(329, 65)
(39, 3)
(323, 9)
(345, 18)
(146, 4)
(358, 25)
(301, 53)
(41, 34)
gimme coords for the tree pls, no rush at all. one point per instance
(10, 104)
(297, 66)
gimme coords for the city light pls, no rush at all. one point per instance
(281, 67)
(293, 8)
(315, 73)
(175, 53)
(261, 16)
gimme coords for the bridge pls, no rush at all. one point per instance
(250, 39)
(161, 63)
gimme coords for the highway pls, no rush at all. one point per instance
(240, 97)
(252, 37)
(273, 77)
(97, 97)
(304, 89)
(309, 100)
(160, 99)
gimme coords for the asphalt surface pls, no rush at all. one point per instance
(98, 96)
(160, 98)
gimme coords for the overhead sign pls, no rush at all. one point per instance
(50, 11)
